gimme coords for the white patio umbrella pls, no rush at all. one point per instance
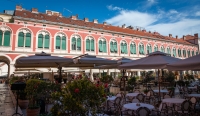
(191, 63)
(43, 60)
(89, 61)
(155, 60)
(115, 66)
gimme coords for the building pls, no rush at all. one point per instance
(24, 32)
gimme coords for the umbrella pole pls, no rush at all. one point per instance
(159, 84)
(60, 74)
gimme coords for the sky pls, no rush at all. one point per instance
(176, 17)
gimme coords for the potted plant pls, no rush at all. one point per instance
(131, 82)
(145, 91)
(22, 100)
(80, 97)
(34, 89)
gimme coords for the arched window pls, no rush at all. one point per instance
(102, 45)
(149, 49)
(90, 44)
(5, 38)
(43, 40)
(76, 43)
(192, 53)
(123, 47)
(24, 38)
(61, 42)
(188, 52)
(113, 46)
(179, 52)
(169, 51)
(133, 48)
(141, 48)
(155, 48)
(184, 53)
(162, 49)
(174, 52)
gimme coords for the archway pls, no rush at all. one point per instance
(4, 67)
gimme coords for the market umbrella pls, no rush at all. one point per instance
(43, 60)
(119, 62)
(191, 63)
(89, 61)
(155, 60)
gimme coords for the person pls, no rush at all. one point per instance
(69, 77)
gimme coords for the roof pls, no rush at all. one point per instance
(65, 20)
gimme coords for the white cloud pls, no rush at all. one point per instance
(110, 7)
(197, 13)
(180, 28)
(150, 3)
(173, 22)
(134, 18)
(173, 12)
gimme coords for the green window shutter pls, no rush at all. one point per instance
(196, 52)
(7, 38)
(115, 47)
(1, 36)
(63, 43)
(73, 44)
(134, 48)
(40, 41)
(111, 47)
(122, 48)
(125, 48)
(150, 49)
(104, 47)
(192, 53)
(58, 41)
(21, 39)
(28, 40)
(100, 46)
(142, 49)
(87, 45)
(46, 42)
(79, 44)
(131, 49)
(92, 45)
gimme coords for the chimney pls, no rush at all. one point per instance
(184, 37)
(56, 13)
(138, 29)
(86, 19)
(196, 36)
(143, 30)
(95, 21)
(74, 17)
(149, 31)
(48, 12)
(60, 15)
(129, 27)
(34, 10)
(176, 36)
(18, 7)
(104, 23)
(123, 26)
(170, 35)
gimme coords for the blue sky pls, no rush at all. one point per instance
(176, 17)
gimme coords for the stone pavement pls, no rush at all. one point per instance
(7, 101)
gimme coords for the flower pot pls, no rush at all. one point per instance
(32, 112)
(23, 104)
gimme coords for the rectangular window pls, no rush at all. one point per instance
(28, 40)
(40, 41)
(21, 39)
(46, 42)
(63, 43)
(1, 36)
(58, 42)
